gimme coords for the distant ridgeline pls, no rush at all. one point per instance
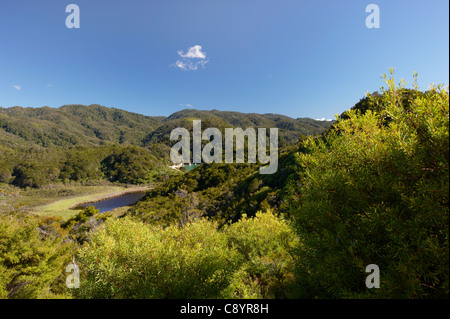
(44, 145)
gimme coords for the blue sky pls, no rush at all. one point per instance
(298, 58)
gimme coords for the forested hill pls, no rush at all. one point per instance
(44, 145)
(289, 129)
(99, 125)
(77, 125)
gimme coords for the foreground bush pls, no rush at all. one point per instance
(32, 262)
(265, 244)
(129, 259)
(375, 191)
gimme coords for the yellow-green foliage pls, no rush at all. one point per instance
(129, 259)
(264, 243)
(31, 264)
(375, 190)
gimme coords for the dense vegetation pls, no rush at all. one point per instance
(33, 257)
(372, 189)
(128, 259)
(223, 192)
(375, 190)
(40, 146)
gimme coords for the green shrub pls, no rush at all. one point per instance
(31, 264)
(375, 190)
(82, 217)
(129, 259)
(131, 164)
(264, 243)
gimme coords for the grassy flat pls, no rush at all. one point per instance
(60, 201)
(62, 207)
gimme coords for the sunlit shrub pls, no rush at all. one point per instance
(31, 264)
(375, 190)
(129, 259)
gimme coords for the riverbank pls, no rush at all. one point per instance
(112, 195)
(66, 207)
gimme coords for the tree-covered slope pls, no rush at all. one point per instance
(99, 125)
(80, 142)
(77, 125)
(289, 129)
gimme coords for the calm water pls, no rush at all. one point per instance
(190, 167)
(109, 204)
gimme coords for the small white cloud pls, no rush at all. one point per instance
(186, 105)
(49, 85)
(194, 52)
(181, 65)
(190, 66)
(192, 60)
(17, 87)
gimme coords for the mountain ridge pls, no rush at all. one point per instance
(77, 124)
